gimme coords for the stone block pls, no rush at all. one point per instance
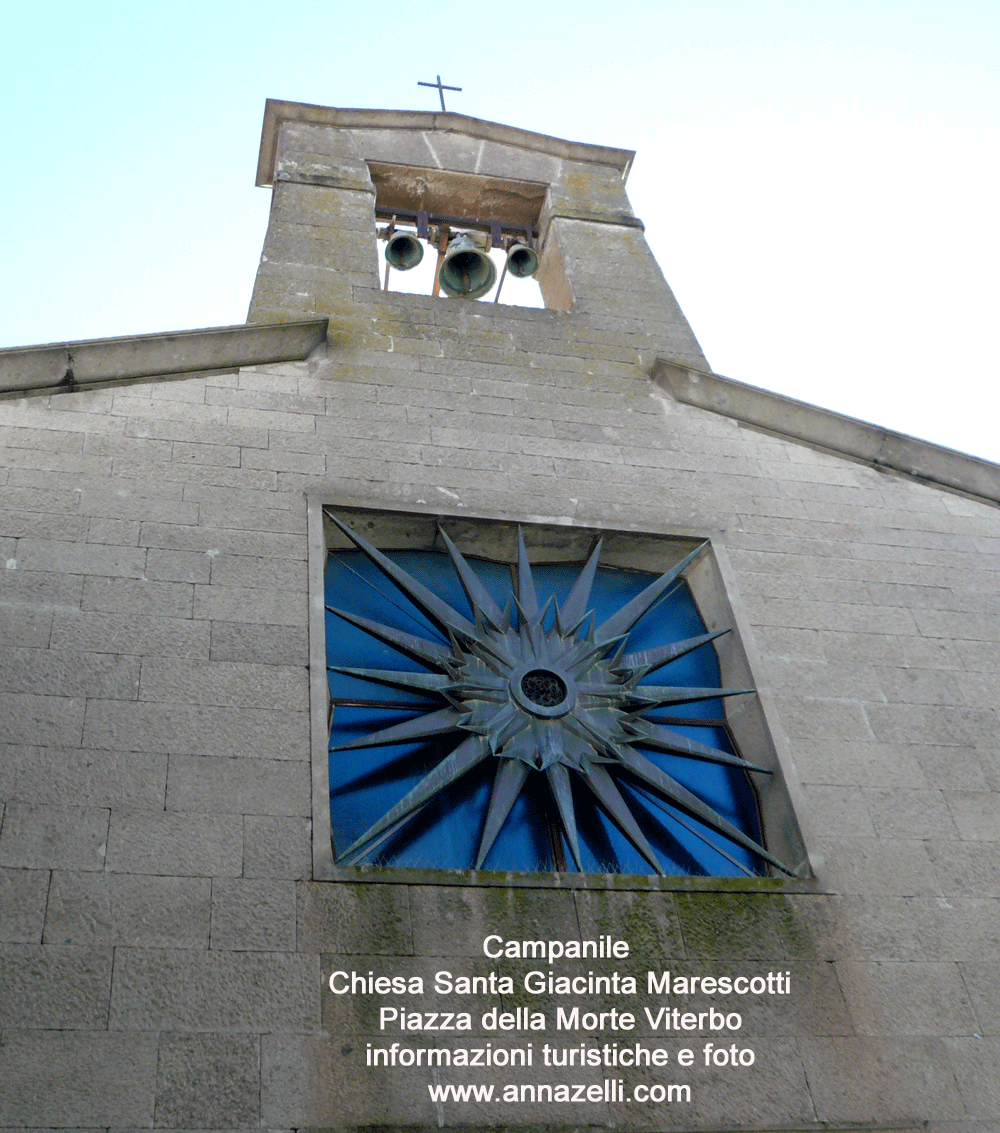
(966, 869)
(772, 1091)
(958, 928)
(840, 808)
(260, 644)
(177, 566)
(175, 845)
(223, 683)
(232, 604)
(974, 1061)
(81, 777)
(28, 627)
(123, 909)
(858, 763)
(952, 768)
(206, 784)
(39, 590)
(23, 893)
(159, 504)
(253, 916)
(736, 926)
(64, 1079)
(983, 984)
(901, 1081)
(277, 846)
(454, 920)
(204, 432)
(43, 720)
(257, 573)
(138, 598)
(56, 988)
(63, 673)
(197, 729)
(53, 837)
(124, 633)
(365, 919)
(114, 532)
(322, 1081)
(908, 998)
(187, 452)
(976, 814)
(648, 921)
(208, 1081)
(870, 866)
(909, 814)
(185, 990)
(80, 558)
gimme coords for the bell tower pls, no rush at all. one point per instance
(336, 174)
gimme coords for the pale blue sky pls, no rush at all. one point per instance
(819, 178)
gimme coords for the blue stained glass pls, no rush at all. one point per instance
(366, 782)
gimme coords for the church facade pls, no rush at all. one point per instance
(346, 784)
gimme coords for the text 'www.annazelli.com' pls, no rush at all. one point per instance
(613, 1090)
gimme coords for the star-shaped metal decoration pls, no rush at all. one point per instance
(546, 692)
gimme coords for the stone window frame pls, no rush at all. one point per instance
(713, 586)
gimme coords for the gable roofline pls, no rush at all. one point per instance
(75, 365)
(277, 111)
(833, 432)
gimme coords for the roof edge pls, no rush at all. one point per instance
(277, 111)
(70, 365)
(834, 432)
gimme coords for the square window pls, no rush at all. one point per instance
(540, 700)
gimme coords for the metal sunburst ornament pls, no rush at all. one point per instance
(555, 699)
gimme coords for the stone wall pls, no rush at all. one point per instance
(165, 947)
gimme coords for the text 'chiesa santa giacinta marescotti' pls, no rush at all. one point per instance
(425, 711)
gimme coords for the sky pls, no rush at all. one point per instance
(819, 179)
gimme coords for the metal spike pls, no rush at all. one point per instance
(526, 595)
(429, 652)
(575, 606)
(435, 682)
(603, 786)
(684, 800)
(507, 785)
(659, 738)
(468, 753)
(562, 792)
(429, 603)
(649, 660)
(419, 728)
(625, 618)
(479, 597)
(656, 696)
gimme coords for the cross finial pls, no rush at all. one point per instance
(441, 88)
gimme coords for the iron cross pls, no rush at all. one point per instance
(441, 88)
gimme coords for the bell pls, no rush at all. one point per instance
(522, 261)
(467, 272)
(403, 251)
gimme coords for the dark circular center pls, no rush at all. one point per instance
(544, 688)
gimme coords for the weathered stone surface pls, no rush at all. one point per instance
(54, 837)
(143, 911)
(208, 1081)
(456, 919)
(23, 894)
(77, 1078)
(56, 988)
(184, 990)
(253, 915)
(276, 846)
(154, 661)
(367, 919)
(175, 845)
